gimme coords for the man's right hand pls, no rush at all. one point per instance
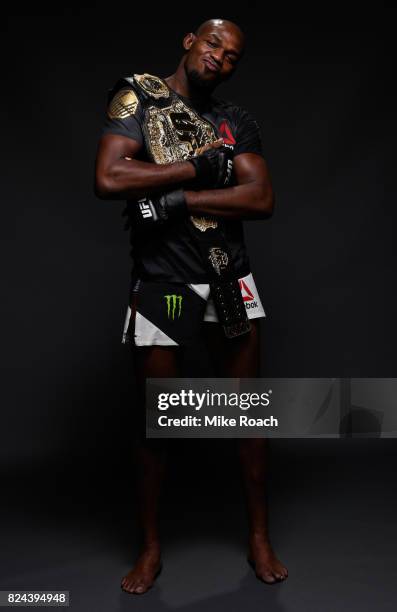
(155, 210)
(213, 166)
(210, 145)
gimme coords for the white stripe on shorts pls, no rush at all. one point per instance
(252, 301)
(147, 334)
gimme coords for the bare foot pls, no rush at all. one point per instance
(264, 562)
(145, 571)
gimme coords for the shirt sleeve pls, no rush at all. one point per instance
(124, 115)
(248, 135)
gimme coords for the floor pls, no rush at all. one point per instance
(332, 516)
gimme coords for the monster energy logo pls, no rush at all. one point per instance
(173, 301)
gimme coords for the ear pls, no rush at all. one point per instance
(189, 40)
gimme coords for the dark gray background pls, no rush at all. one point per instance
(321, 86)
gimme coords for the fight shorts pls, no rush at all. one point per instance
(171, 314)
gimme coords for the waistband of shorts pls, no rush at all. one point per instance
(139, 274)
(136, 282)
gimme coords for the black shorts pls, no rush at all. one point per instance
(171, 314)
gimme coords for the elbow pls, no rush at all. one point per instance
(264, 207)
(269, 205)
(103, 187)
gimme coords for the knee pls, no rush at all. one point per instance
(151, 458)
(252, 447)
(255, 474)
(253, 460)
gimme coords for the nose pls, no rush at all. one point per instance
(217, 56)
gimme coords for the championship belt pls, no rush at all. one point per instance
(225, 288)
(175, 132)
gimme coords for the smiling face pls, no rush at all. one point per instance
(213, 53)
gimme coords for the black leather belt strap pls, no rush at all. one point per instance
(223, 281)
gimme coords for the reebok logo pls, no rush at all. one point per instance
(174, 303)
(245, 291)
(248, 297)
(226, 133)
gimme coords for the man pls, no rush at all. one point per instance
(191, 169)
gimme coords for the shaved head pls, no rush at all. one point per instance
(221, 23)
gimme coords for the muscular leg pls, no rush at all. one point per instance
(150, 462)
(240, 358)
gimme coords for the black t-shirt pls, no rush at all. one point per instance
(168, 252)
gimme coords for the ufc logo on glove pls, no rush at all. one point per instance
(145, 209)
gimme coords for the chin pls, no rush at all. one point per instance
(201, 80)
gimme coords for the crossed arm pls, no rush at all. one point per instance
(119, 176)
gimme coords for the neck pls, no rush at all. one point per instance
(180, 83)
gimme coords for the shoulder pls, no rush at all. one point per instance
(123, 100)
(130, 94)
(237, 114)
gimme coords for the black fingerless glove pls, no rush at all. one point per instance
(213, 168)
(159, 209)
